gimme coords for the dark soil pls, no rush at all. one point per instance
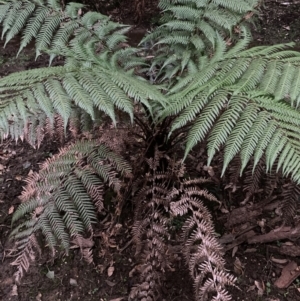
(73, 278)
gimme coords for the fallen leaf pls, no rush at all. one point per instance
(50, 274)
(14, 291)
(38, 297)
(110, 283)
(250, 250)
(11, 209)
(280, 261)
(110, 271)
(117, 299)
(234, 250)
(238, 267)
(73, 282)
(260, 286)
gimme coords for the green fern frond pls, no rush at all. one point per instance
(33, 27)
(10, 17)
(60, 90)
(241, 6)
(197, 25)
(19, 22)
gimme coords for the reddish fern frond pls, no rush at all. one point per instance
(201, 250)
(166, 193)
(254, 177)
(290, 193)
(27, 253)
(62, 197)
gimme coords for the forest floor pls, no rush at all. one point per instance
(72, 277)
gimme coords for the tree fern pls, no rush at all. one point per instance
(241, 101)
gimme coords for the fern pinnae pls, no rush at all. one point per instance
(237, 136)
(250, 79)
(4, 8)
(295, 89)
(46, 229)
(271, 76)
(239, 68)
(32, 28)
(284, 84)
(99, 96)
(243, 42)
(117, 95)
(252, 138)
(220, 50)
(287, 154)
(77, 93)
(19, 22)
(197, 42)
(184, 40)
(58, 228)
(241, 6)
(64, 33)
(10, 17)
(223, 18)
(71, 217)
(61, 101)
(81, 200)
(208, 31)
(184, 12)
(205, 121)
(225, 125)
(192, 110)
(180, 25)
(43, 40)
(44, 102)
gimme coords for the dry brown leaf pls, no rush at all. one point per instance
(110, 283)
(260, 286)
(110, 271)
(11, 209)
(278, 260)
(250, 250)
(238, 267)
(73, 282)
(14, 291)
(234, 250)
(38, 297)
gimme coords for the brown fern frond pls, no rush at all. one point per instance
(62, 197)
(27, 252)
(254, 178)
(150, 233)
(290, 194)
(273, 180)
(234, 173)
(201, 249)
(163, 195)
